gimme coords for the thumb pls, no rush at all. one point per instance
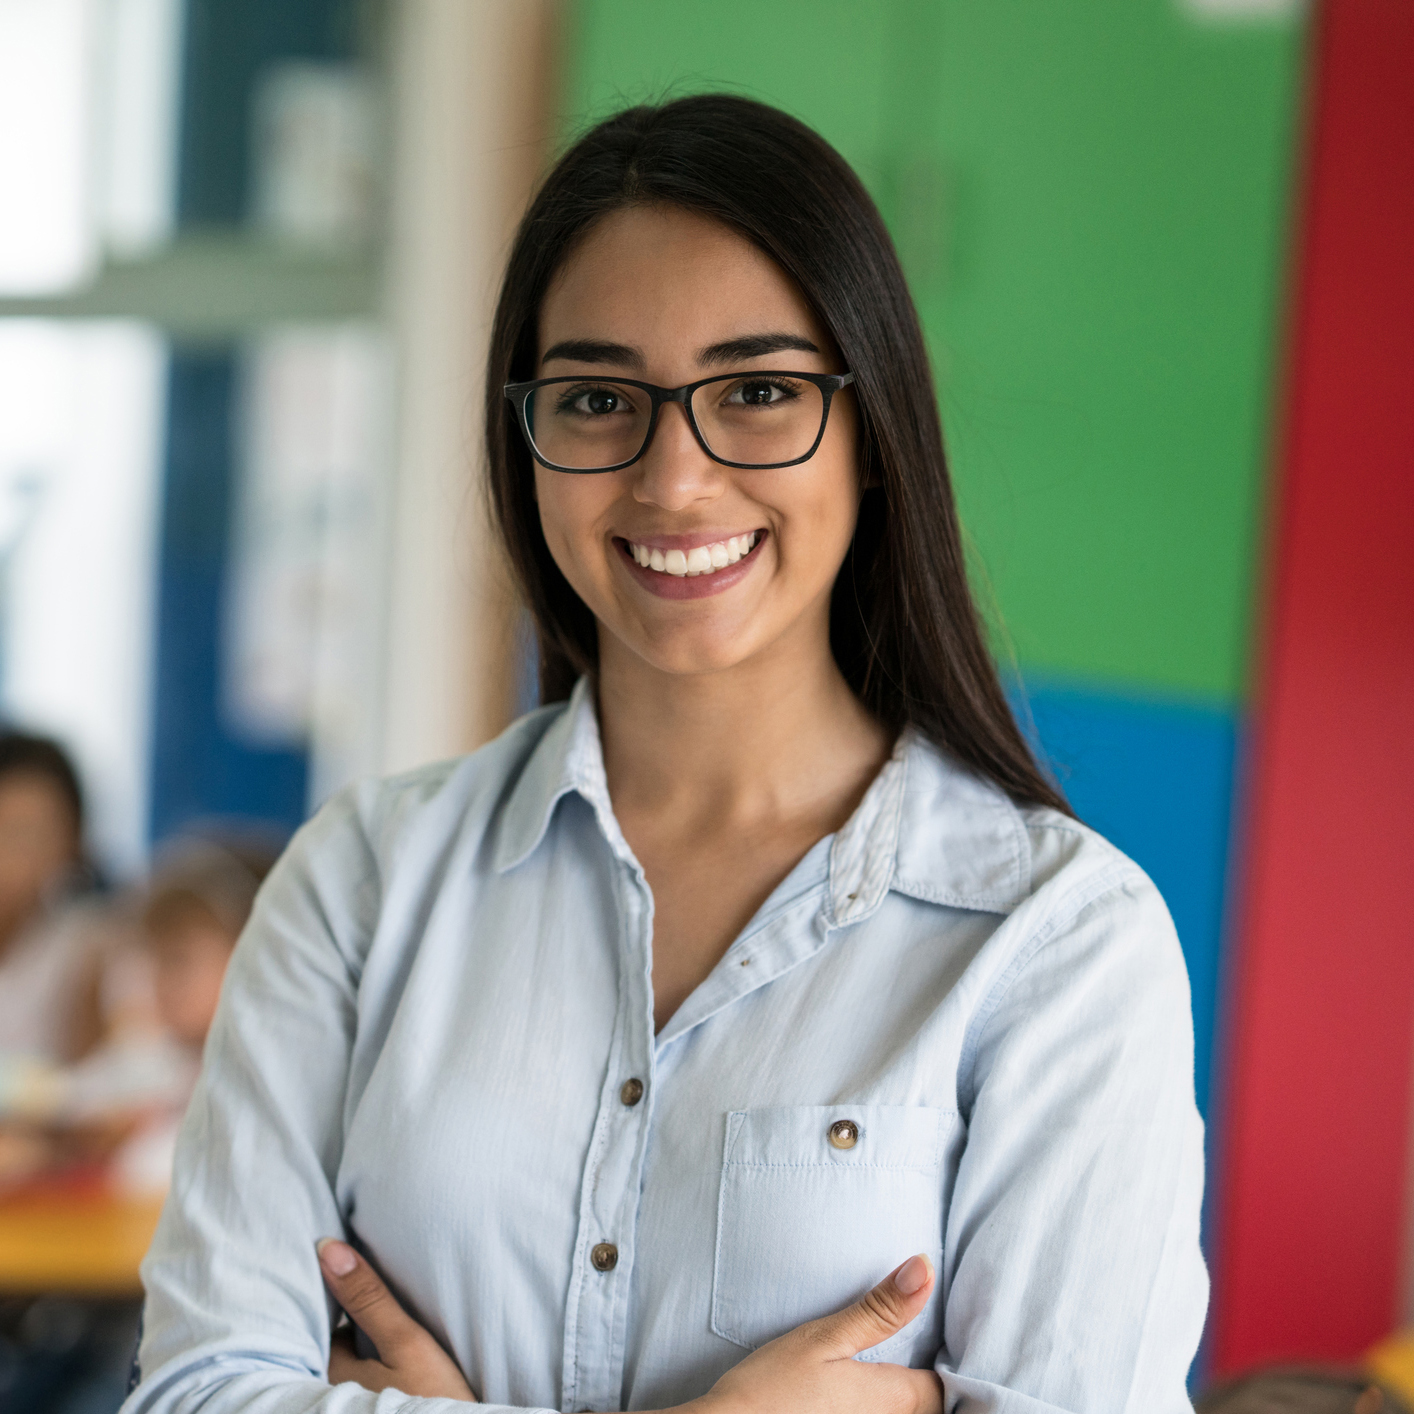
(364, 1295)
(879, 1313)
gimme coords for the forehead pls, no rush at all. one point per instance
(29, 790)
(647, 275)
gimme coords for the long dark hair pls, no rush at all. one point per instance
(903, 625)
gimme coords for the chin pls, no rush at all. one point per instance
(691, 655)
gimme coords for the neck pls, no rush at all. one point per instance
(768, 736)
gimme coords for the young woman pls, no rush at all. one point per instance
(759, 962)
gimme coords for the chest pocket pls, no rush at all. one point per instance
(817, 1205)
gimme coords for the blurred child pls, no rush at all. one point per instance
(48, 964)
(51, 945)
(196, 905)
(198, 902)
(121, 1104)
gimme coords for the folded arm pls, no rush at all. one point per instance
(1073, 1273)
(237, 1318)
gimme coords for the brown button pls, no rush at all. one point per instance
(605, 1256)
(631, 1092)
(844, 1134)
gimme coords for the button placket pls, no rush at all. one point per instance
(597, 1316)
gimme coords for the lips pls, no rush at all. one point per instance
(688, 571)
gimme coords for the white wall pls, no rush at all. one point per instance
(471, 89)
(81, 425)
(87, 134)
(305, 602)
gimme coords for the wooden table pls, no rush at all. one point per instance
(76, 1237)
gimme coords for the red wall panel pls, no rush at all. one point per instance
(1321, 1035)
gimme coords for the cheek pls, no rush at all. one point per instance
(572, 510)
(213, 974)
(819, 520)
(559, 511)
(170, 991)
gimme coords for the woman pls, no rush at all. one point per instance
(761, 962)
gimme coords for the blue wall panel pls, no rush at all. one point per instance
(199, 769)
(1156, 779)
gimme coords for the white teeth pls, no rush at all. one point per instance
(701, 559)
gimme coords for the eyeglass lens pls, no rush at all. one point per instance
(590, 423)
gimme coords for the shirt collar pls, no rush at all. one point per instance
(961, 840)
(926, 827)
(930, 829)
(568, 757)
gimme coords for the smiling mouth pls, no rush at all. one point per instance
(700, 560)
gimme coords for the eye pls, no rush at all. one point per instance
(761, 392)
(601, 400)
(597, 401)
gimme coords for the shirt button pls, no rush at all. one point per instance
(632, 1092)
(844, 1134)
(605, 1256)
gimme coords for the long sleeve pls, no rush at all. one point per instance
(236, 1315)
(1075, 1280)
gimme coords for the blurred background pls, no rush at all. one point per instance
(1162, 252)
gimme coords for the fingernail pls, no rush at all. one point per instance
(338, 1259)
(913, 1274)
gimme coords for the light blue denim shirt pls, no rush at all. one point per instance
(424, 1040)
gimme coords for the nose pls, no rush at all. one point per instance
(675, 472)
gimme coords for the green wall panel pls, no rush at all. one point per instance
(828, 61)
(1091, 200)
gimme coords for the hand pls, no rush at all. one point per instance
(409, 1358)
(812, 1370)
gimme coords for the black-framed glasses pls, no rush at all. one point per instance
(755, 421)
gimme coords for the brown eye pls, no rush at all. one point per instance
(762, 393)
(593, 401)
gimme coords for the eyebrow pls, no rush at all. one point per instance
(712, 356)
(596, 351)
(753, 346)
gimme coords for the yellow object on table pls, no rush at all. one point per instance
(85, 1242)
(1392, 1363)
